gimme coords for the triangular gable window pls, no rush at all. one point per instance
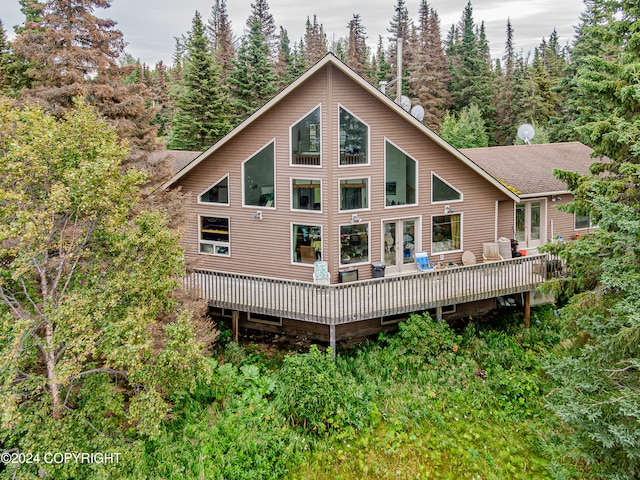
(441, 191)
(218, 193)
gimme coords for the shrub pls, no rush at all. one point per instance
(314, 395)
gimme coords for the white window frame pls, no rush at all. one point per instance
(200, 202)
(319, 134)
(213, 243)
(444, 252)
(339, 197)
(575, 228)
(344, 265)
(292, 190)
(417, 203)
(368, 162)
(442, 202)
(275, 176)
(292, 242)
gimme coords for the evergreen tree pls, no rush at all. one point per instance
(253, 82)
(201, 108)
(466, 129)
(383, 71)
(221, 34)
(75, 54)
(161, 99)
(260, 14)
(429, 76)
(315, 41)
(357, 50)
(505, 92)
(593, 42)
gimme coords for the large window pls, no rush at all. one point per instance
(305, 140)
(442, 191)
(217, 193)
(305, 194)
(354, 244)
(400, 177)
(354, 194)
(214, 235)
(307, 243)
(259, 178)
(446, 233)
(354, 139)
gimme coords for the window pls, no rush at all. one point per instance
(582, 221)
(307, 243)
(354, 194)
(305, 140)
(442, 191)
(305, 194)
(259, 178)
(446, 233)
(400, 176)
(354, 244)
(218, 193)
(354, 140)
(214, 235)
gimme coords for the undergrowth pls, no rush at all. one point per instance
(425, 402)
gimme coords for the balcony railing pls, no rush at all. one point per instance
(376, 298)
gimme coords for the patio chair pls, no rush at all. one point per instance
(422, 260)
(491, 252)
(321, 273)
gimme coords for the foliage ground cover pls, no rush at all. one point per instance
(426, 402)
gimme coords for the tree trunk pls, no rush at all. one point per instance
(52, 378)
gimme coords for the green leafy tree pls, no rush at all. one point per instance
(92, 340)
(201, 109)
(253, 82)
(465, 130)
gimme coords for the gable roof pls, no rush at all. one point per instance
(331, 59)
(529, 168)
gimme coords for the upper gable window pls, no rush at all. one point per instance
(354, 140)
(305, 140)
(442, 191)
(218, 193)
(259, 178)
(400, 177)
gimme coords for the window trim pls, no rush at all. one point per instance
(200, 202)
(275, 176)
(291, 179)
(345, 265)
(575, 228)
(211, 242)
(292, 243)
(318, 106)
(442, 202)
(417, 192)
(368, 162)
(354, 210)
(444, 252)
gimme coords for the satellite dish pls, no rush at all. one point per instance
(526, 132)
(405, 102)
(418, 112)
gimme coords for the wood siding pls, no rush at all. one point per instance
(264, 247)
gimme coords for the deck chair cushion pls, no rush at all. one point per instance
(422, 260)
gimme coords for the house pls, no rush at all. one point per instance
(332, 170)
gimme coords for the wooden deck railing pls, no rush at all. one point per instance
(380, 297)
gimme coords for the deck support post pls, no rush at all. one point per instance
(439, 314)
(332, 340)
(527, 309)
(235, 314)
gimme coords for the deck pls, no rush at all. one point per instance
(338, 304)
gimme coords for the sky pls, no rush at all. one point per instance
(151, 26)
